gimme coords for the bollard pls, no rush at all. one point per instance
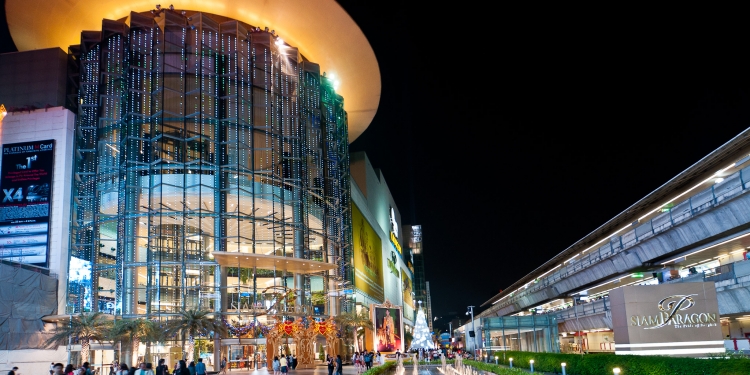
(616, 370)
(531, 362)
(511, 362)
(495, 359)
(563, 368)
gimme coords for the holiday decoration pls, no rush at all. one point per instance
(422, 336)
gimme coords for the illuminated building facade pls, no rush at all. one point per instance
(208, 164)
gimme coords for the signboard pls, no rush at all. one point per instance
(368, 257)
(667, 319)
(26, 184)
(389, 328)
(406, 289)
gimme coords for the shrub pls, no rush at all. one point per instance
(598, 364)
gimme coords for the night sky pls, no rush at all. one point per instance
(509, 134)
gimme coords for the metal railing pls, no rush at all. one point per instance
(715, 195)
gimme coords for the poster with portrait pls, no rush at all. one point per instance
(389, 328)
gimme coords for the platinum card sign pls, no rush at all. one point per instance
(26, 189)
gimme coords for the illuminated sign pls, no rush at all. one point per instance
(666, 319)
(368, 257)
(670, 308)
(26, 190)
(394, 225)
(395, 243)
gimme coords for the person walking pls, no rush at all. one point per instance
(123, 370)
(13, 371)
(200, 367)
(191, 367)
(284, 364)
(276, 365)
(183, 368)
(57, 369)
(162, 368)
(330, 363)
(223, 365)
(339, 364)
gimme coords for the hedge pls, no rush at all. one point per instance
(602, 364)
(378, 370)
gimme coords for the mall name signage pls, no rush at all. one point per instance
(667, 319)
(395, 243)
(671, 314)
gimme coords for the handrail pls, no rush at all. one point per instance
(718, 193)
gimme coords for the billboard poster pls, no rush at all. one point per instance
(406, 290)
(26, 184)
(389, 329)
(368, 257)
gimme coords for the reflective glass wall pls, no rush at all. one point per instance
(199, 135)
(531, 333)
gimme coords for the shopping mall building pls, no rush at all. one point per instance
(668, 276)
(159, 159)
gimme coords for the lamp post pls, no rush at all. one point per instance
(531, 362)
(616, 370)
(476, 347)
(511, 362)
(563, 368)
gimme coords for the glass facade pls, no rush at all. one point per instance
(531, 333)
(200, 139)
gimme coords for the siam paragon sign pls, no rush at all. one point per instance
(672, 313)
(679, 319)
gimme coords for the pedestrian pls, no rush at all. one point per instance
(200, 367)
(68, 369)
(13, 372)
(149, 368)
(191, 367)
(339, 364)
(276, 365)
(183, 368)
(162, 368)
(123, 370)
(57, 369)
(87, 369)
(331, 364)
(223, 365)
(284, 364)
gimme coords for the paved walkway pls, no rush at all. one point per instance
(321, 369)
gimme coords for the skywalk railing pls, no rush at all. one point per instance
(718, 193)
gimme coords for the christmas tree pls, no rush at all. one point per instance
(422, 336)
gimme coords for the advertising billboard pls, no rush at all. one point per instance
(26, 184)
(389, 329)
(368, 257)
(406, 289)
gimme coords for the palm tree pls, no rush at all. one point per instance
(436, 337)
(191, 323)
(83, 328)
(355, 321)
(133, 332)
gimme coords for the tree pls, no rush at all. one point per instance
(189, 324)
(133, 332)
(83, 329)
(355, 322)
(422, 335)
(436, 337)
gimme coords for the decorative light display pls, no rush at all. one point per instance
(422, 336)
(238, 329)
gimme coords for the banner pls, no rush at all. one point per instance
(406, 288)
(26, 183)
(388, 329)
(368, 257)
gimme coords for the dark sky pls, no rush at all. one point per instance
(509, 134)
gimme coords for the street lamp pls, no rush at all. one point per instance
(476, 347)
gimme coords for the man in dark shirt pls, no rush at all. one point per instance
(162, 368)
